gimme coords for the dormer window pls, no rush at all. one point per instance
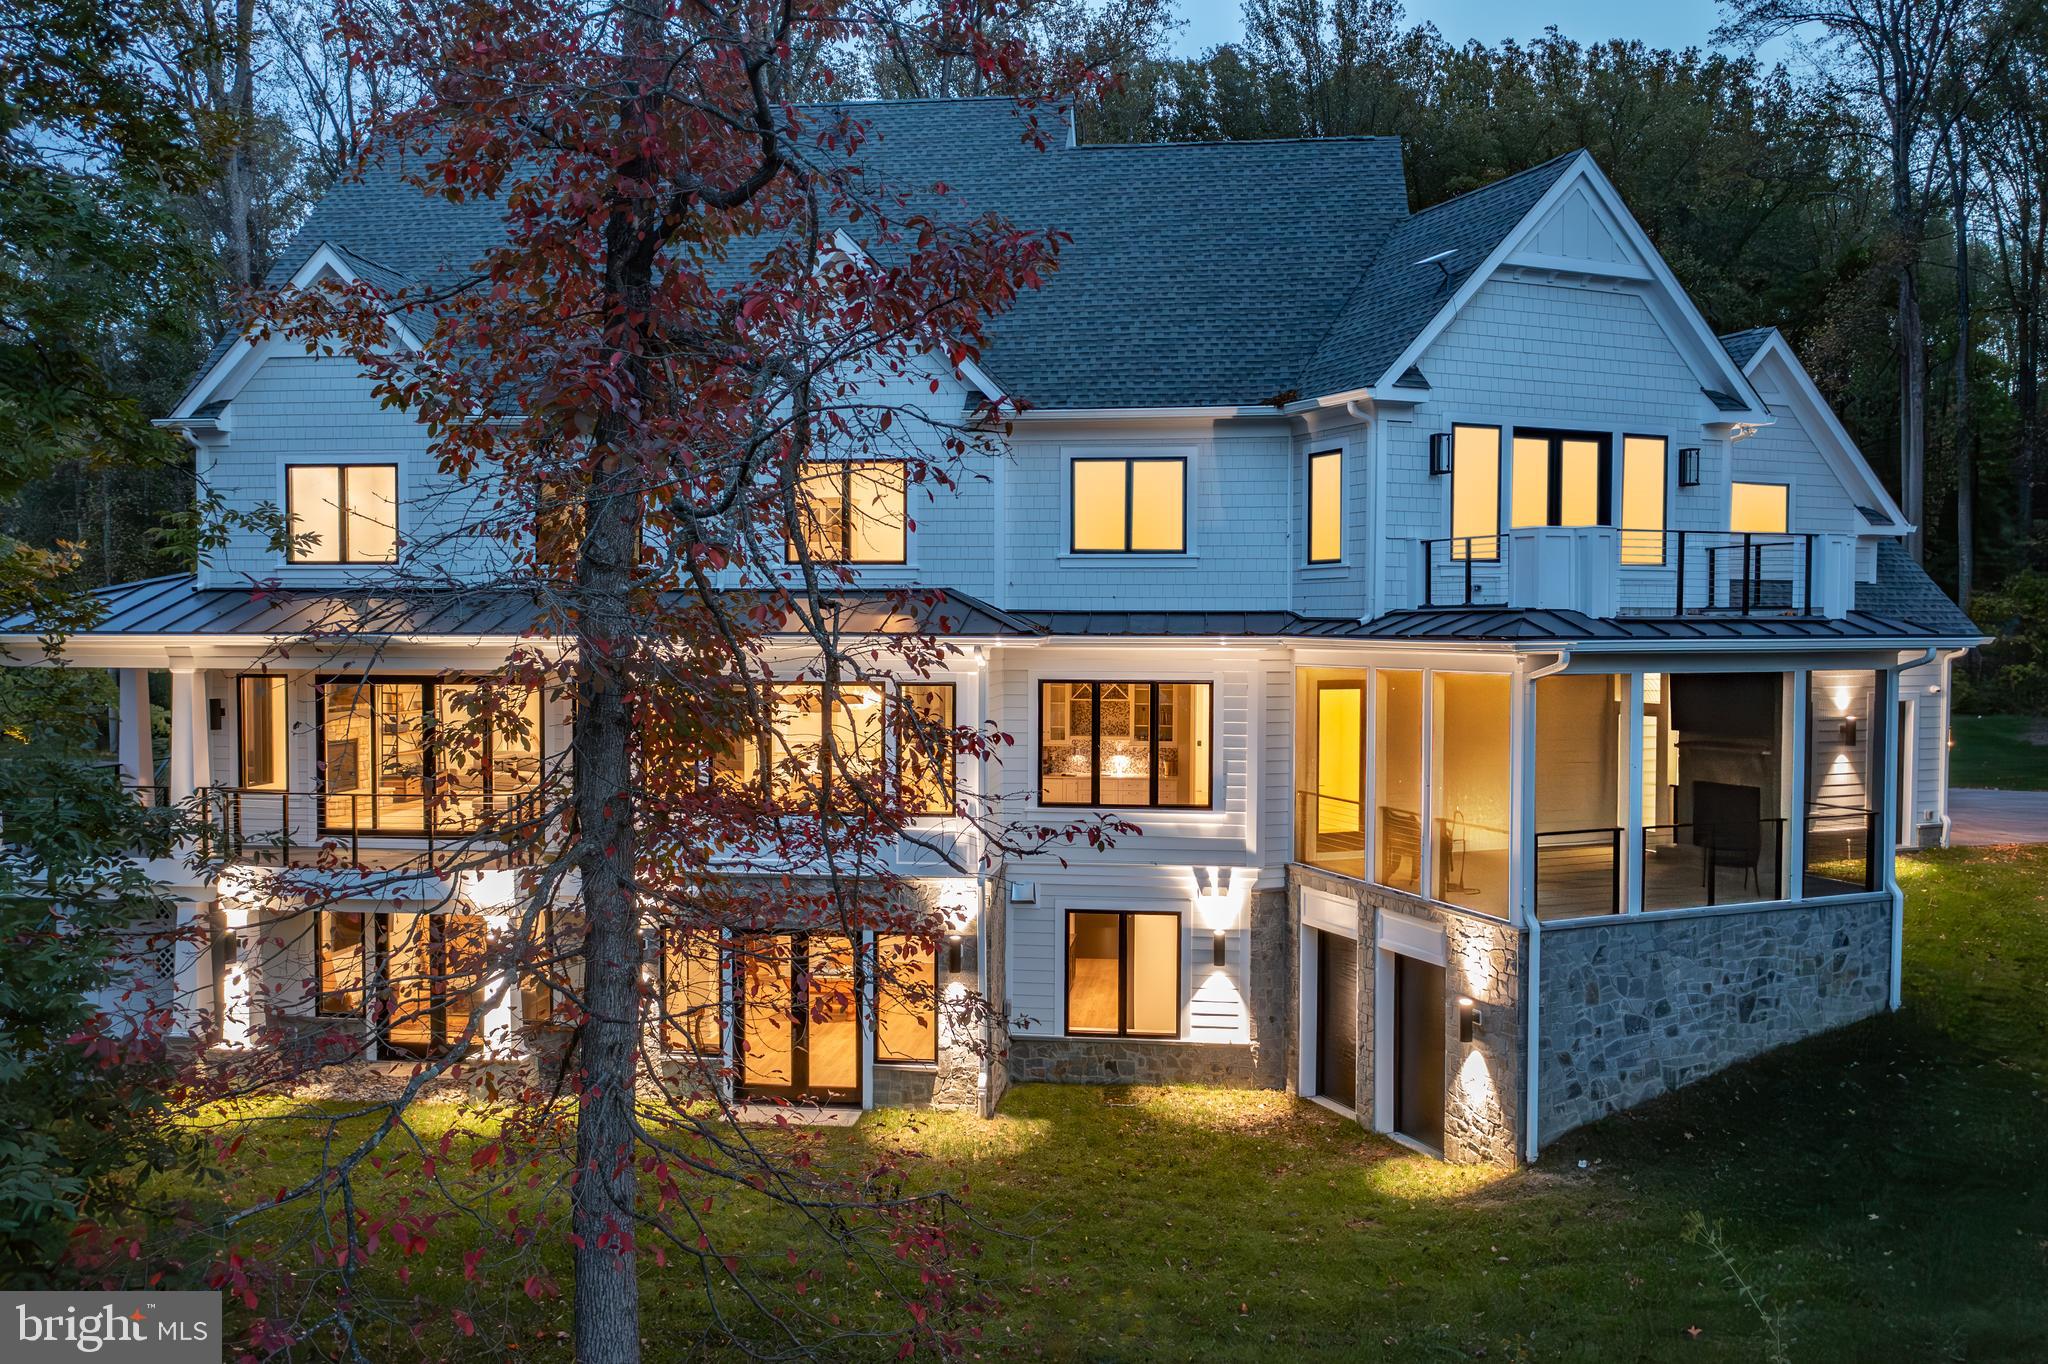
(852, 512)
(342, 513)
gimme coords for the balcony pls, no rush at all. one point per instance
(374, 830)
(1608, 571)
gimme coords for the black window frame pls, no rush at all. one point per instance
(1309, 499)
(1555, 436)
(365, 945)
(949, 777)
(1501, 456)
(341, 556)
(845, 468)
(429, 763)
(1123, 973)
(1130, 463)
(284, 757)
(1095, 802)
(873, 950)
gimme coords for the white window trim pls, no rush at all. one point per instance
(1190, 553)
(399, 515)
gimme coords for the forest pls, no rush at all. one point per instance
(1875, 191)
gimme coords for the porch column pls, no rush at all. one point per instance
(191, 750)
(192, 981)
(1632, 799)
(1798, 746)
(1884, 741)
(1521, 795)
(135, 744)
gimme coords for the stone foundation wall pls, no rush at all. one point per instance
(1120, 1061)
(1272, 989)
(1484, 1099)
(1633, 1009)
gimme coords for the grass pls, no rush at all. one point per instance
(1999, 752)
(1878, 1194)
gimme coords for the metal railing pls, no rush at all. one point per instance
(1840, 840)
(1578, 872)
(249, 824)
(1465, 570)
(1329, 832)
(1753, 853)
(1661, 572)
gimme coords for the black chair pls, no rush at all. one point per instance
(1727, 822)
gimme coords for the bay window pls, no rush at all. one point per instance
(1124, 744)
(1123, 973)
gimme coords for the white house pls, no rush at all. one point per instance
(1521, 689)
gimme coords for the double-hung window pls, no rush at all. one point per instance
(1124, 744)
(1123, 973)
(852, 512)
(342, 513)
(1129, 506)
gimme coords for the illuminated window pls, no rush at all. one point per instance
(397, 757)
(852, 512)
(1130, 506)
(342, 513)
(1759, 508)
(924, 748)
(1469, 769)
(1397, 778)
(1475, 492)
(803, 771)
(906, 999)
(1560, 479)
(1123, 974)
(1124, 743)
(1326, 507)
(338, 962)
(265, 725)
(690, 991)
(1644, 464)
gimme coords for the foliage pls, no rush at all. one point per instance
(1997, 752)
(2009, 675)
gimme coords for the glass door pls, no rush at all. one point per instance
(799, 1017)
(431, 971)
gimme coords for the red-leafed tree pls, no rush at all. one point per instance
(703, 288)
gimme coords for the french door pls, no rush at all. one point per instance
(798, 1002)
(430, 973)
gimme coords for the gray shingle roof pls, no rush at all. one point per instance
(1743, 346)
(1904, 590)
(1397, 296)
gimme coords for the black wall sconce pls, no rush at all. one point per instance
(216, 712)
(1689, 466)
(1216, 951)
(1848, 731)
(955, 954)
(1468, 1018)
(1440, 453)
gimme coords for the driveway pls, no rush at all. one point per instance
(1980, 817)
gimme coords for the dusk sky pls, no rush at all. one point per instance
(1661, 23)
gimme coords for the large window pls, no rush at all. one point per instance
(924, 747)
(1644, 465)
(1469, 748)
(1326, 507)
(1713, 775)
(1123, 974)
(1475, 492)
(403, 756)
(1580, 772)
(1329, 828)
(853, 512)
(338, 962)
(1759, 508)
(1130, 506)
(1561, 478)
(1397, 757)
(803, 770)
(1844, 788)
(691, 997)
(906, 999)
(342, 513)
(265, 727)
(1124, 743)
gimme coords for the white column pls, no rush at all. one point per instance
(136, 746)
(1798, 745)
(1632, 798)
(187, 702)
(192, 985)
(1521, 795)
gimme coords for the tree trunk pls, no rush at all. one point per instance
(236, 193)
(1964, 437)
(1912, 411)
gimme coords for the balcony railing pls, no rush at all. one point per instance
(1724, 862)
(1608, 571)
(279, 827)
(1329, 832)
(1578, 872)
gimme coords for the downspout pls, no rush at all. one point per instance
(1531, 1133)
(985, 1072)
(1891, 836)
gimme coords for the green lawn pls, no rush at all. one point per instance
(2002, 752)
(1885, 1189)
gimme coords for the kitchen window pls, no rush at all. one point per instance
(1124, 744)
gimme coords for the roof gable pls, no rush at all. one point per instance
(1768, 358)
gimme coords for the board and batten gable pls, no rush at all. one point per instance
(1571, 356)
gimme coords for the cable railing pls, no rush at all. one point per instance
(1686, 866)
(274, 826)
(1465, 570)
(1329, 832)
(1840, 841)
(1578, 872)
(1655, 572)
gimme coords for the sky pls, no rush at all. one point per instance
(1660, 23)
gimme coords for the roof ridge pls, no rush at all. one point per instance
(1394, 138)
(1496, 184)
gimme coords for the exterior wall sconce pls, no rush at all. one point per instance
(1440, 453)
(1689, 466)
(1468, 1018)
(955, 954)
(1217, 956)
(1848, 731)
(216, 712)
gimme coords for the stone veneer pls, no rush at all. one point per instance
(1483, 958)
(1632, 1008)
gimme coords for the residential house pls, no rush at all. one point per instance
(1522, 690)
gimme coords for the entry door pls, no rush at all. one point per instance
(431, 970)
(1419, 1050)
(799, 1017)
(1337, 1019)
